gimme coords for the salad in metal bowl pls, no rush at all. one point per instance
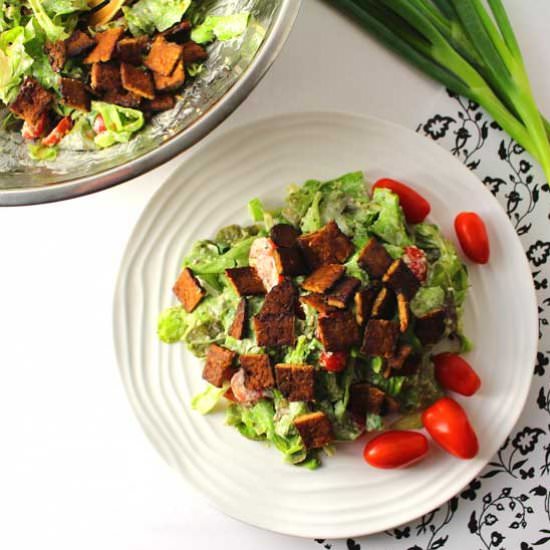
(87, 74)
(318, 322)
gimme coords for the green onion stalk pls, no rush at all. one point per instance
(469, 48)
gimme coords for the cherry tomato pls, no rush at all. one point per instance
(396, 449)
(455, 373)
(472, 235)
(56, 135)
(262, 257)
(448, 424)
(36, 130)
(99, 125)
(415, 206)
(240, 392)
(334, 361)
(416, 261)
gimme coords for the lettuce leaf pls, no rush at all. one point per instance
(427, 299)
(390, 223)
(53, 31)
(220, 27)
(205, 401)
(121, 122)
(145, 16)
(15, 62)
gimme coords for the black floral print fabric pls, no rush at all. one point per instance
(508, 506)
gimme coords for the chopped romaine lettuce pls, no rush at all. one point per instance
(171, 324)
(64, 7)
(216, 262)
(390, 223)
(121, 123)
(374, 422)
(221, 27)
(145, 16)
(205, 401)
(230, 235)
(426, 299)
(15, 62)
(37, 151)
(53, 31)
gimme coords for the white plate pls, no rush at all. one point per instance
(246, 479)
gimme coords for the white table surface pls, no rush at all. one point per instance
(76, 471)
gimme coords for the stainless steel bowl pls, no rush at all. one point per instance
(232, 71)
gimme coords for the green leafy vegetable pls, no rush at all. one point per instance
(37, 151)
(14, 62)
(145, 16)
(205, 401)
(477, 55)
(426, 299)
(390, 223)
(53, 31)
(221, 27)
(171, 324)
(121, 123)
(374, 422)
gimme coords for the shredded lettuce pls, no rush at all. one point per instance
(145, 16)
(53, 31)
(171, 324)
(15, 62)
(121, 123)
(374, 422)
(390, 223)
(205, 401)
(427, 299)
(37, 151)
(221, 27)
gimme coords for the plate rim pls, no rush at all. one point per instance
(286, 117)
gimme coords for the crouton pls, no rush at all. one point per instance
(258, 375)
(296, 382)
(374, 258)
(380, 338)
(364, 300)
(137, 81)
(124, 99)
(160, 103)
(172, 82)
(338, 331)
(315, 429)
(326, 246)
(403, 312)
(395, 363)
(384, 304)
(188, 290)
(238, 327)
(75, 94)
(105, 77)
(319, 303)
(57, 54)
(275, 329)
(32, 101)
(245, 281)
(78, 43)
(289, 261)
(364, 398)
(323, 278)
(342, 292)
(130, 50)
(193, 52)
(219, 365)
(284, 234)
(430, 328)
(401, 279)
(105, 47)
(178, 33)
(163, 56)
(280, 299)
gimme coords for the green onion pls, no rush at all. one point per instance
(471, 50)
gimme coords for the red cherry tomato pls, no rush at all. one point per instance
(416, 261)
(415, 206)
(36, 130)
(334, 361)
(99, 125)
(56, 135)
(472, 234)
(455, 374)
(448, 424)
(396, 449)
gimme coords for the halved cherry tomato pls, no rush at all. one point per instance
(99, 125)
(36, 130)
(334, 361)
(472, 235)
(416, 261)
(415, 206)
(447, 423)
(56, 135)
(396, 449)
(262, 257)
(455, 373)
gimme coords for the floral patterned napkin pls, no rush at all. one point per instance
(508, 505)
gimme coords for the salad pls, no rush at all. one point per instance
(87, 74)
(318, 322)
